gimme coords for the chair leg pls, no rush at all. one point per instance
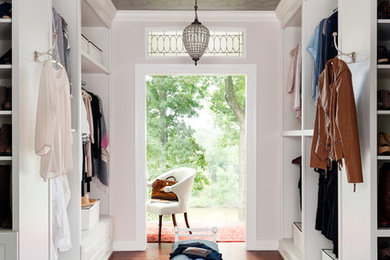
(174, 220)
(159, 228)
(186, 219)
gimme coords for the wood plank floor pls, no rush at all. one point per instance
(230, 251)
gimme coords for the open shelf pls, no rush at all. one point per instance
(383, 66)
(307, 132)
(5, 29)
(383, 21)
(5, 112)
(383, 112)
(328, 254)
(288, 250)
(5, 71)
(89, 65)
(383, 232)
(292, 133)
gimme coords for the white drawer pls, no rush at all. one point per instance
(89, 217)
(97, 242)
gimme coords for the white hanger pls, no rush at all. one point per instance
(352, 55)
(49, 52)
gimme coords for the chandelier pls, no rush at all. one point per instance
(196, 37)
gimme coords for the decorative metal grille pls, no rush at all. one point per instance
(170, 44)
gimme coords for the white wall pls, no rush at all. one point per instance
(264, 42)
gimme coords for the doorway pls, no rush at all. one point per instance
(198, 121)
(235, 211)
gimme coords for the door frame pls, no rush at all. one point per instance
(141, 70)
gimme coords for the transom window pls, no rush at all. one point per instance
(169, 43)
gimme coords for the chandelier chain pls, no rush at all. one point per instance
(196, 10)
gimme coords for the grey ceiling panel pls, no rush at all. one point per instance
(219, 5)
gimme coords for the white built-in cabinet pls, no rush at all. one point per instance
(92, 19)
(29, 30)
(305, 243)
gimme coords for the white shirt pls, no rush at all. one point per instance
(53, 136)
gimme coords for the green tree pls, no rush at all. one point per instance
(228, 105)
(170, 142)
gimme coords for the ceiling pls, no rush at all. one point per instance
(210, 5)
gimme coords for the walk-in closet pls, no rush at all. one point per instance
(73, 80)
(302, 237)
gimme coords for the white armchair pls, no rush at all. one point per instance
(182, 189)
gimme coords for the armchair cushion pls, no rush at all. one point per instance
(163, 207)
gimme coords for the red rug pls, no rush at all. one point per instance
(226, 234)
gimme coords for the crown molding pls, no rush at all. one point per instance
(187, 16)
(104, 10)
(286, 10)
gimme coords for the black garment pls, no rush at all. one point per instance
(85, 180)
(298, 161)
(214, 255)
(327, 208)
(97, 133)
(331, 27)
(99, 166)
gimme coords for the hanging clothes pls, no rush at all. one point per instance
(53, 137)
(298, 161)
(335, 130)
(53, 142)
(294, 83)
(62, 48)
(327, 206)
(60, 193)
(100, 154)
(315, 49)
(331, 27)
(321, 47)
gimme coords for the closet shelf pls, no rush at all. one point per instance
(5, 158)
(383, 66)
(383, 112)
(5, 29)
(383, 157)
(5, 112)
(383, 232)
(307, 132)
(5, 71)
(89, 65)
(328, 254)
(288, 250)
(384, 21)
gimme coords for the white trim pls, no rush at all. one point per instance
(126, 246)
(204, 16)
(104, 9)
(250, 70)
(264, 245)
(286, 10)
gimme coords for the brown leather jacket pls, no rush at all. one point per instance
(336, 130)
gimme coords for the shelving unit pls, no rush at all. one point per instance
(8, 237)
(381, 77)
(297, 138)
(93, 19)
(89, 65)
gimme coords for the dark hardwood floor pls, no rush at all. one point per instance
(230, 251)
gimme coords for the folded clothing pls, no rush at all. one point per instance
(181, 248)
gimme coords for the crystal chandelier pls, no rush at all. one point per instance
(196, 37)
